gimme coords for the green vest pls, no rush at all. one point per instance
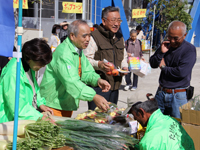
(111, 50)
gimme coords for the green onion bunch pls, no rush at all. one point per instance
(84, 135)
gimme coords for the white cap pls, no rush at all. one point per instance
(130, 102)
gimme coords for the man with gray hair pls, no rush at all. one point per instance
(162, 131)
(176, 58)
(108, 43)
(65, 78)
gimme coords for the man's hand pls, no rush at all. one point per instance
(104, 85)
(124, 68)
(129, 54)
(101, 102)
(64, 23)
(165, 46)
(143, 58)
(45, 109)
(162, 63)
(104, 66)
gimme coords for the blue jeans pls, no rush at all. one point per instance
(169, 103)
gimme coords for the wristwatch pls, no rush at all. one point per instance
(163, 66)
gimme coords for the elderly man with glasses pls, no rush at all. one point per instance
(176, 58)
(107, 43)
(66, 77)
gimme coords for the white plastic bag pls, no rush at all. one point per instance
(145, 69)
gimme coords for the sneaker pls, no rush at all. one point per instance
(133, 88)
(126, 88)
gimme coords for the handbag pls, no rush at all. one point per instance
(189, 92)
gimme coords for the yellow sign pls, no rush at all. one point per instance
(24, 4)
(138, 13)
(72, 7)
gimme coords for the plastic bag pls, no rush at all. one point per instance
(145, 69)
(113, 70)
(100, 116)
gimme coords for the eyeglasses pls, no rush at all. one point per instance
(174, 38)
(113, 20)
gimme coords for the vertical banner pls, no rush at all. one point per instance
(72, 7)
(138, 13)
(7, 28)
(24, 5)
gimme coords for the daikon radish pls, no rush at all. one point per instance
(8, 138)
(8, 130)
(7, 127)
(3, 144)
(19, 122)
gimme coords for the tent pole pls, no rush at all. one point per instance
(19, 42)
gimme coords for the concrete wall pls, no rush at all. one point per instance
(32, 23)
(29, 34)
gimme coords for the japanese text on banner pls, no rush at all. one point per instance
(24, 4)
(138, 13)
(72, 7)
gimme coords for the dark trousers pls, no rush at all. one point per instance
(128, 79)
(110, 96)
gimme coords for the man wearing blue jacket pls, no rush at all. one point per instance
(176, 58)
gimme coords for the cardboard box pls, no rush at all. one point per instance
(188, 115)
(194, 133)
(191, 123)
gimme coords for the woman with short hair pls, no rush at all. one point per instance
(54, 41)
(36, 53)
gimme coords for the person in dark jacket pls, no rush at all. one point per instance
(95, 26)
(63, 31)
(176, 58)
(4, 60)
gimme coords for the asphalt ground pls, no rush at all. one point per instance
(148, 84)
